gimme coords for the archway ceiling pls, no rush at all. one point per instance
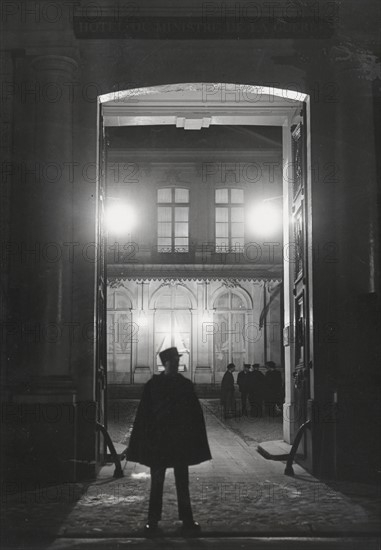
(196, 106)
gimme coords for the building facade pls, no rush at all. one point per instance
(201, 283)
(227, 330)
(72, 73)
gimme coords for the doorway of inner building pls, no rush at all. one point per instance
(190, 271)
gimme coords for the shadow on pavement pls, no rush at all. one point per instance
(33, 514)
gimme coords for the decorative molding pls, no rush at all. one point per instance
(230, 283)
(121, 280)
(238, 289)
(198, 271)
(172, 283)
(191, 157)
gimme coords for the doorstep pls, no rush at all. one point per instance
(274, 450)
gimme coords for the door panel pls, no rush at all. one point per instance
(299, 281)
(101, 299)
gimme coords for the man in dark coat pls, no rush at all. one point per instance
(227, 391)
(256, 391)
(243, 381)
(273, 389)
(169, 432)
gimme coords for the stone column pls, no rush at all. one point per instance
(40, 375)
(7, 78)
(48, 225)
(203, 368)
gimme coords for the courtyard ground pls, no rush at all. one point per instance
(236, 494)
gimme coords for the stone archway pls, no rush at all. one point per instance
(193, 106)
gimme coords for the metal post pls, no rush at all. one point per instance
(289, 471)
(118, 472)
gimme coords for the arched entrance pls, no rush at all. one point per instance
(195, 106)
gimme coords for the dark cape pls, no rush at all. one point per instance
(256, 387)
(273, 387)
(227, 387)
(169, 427)
(227, 382)
(243, 381)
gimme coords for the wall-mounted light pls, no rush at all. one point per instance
(120, 218)
(265, 218)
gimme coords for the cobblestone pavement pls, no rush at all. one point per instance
(253, 430)
(228, 543)
(238, 492)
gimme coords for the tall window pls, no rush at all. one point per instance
(231, 339)
(230, 232)
(173, 219)
(173, 324)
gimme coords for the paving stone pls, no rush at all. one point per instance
(238, 492)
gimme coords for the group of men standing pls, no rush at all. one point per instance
(258, 389)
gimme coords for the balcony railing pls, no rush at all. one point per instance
(202, 253)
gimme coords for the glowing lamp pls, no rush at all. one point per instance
(119, 218)
(265, 219)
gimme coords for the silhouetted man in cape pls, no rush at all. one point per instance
(169, 432)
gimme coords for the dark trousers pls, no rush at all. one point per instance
(244, 396)
(273, 408)
(255, 401)
(182, 489)
(228, 403)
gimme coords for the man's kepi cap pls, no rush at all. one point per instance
(168, 353)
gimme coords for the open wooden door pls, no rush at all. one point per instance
(300, 291)
(101, 298)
